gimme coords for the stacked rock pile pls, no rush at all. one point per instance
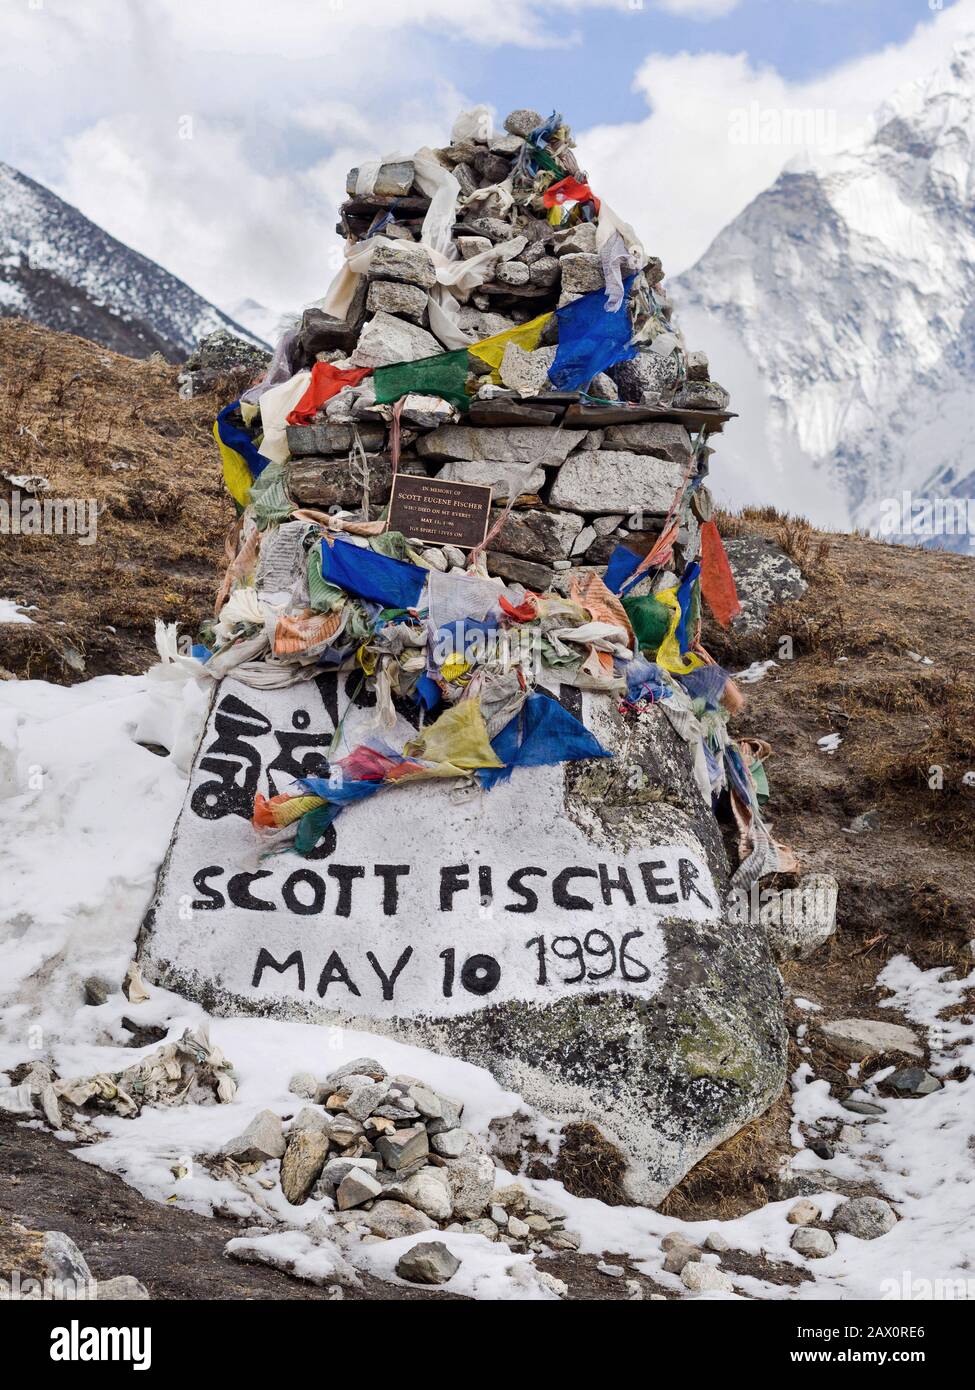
(389, 1155)
(524, 236)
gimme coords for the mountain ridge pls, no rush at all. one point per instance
(61, 270)
(845, 299)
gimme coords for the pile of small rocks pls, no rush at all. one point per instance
(697, 1266)
(591, 470)
(390, 1154)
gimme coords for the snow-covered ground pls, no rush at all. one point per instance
(86, 814)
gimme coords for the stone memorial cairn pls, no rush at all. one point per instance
(594, 470)
(494, 324)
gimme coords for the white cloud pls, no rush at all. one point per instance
(699, 9)
(280, 101)
(720, 130)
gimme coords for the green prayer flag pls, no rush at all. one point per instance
(444, 375)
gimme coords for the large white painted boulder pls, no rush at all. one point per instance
(565, 930)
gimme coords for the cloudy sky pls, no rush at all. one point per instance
(214, 135)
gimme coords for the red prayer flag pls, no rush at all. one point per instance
(717, 581)
(569, 190)
(326, 381)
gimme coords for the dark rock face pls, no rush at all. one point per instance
(658, 1019)
(61, 270)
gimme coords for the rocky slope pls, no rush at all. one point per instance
(61, 270)
(839, 308)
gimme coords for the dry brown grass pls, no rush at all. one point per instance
(737, 1175)
(587, 1164)
(98, 425)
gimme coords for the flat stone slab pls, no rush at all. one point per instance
(616, 481)
(564, 930)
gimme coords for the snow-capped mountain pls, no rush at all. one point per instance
(59, 269)
(839, 309)
(261, 321)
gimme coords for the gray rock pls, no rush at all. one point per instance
(563, 1240)
(311, 1118)
(615, 481)
(96, 991)
(222, 351)
(356, 1187)
(366, 1099)
(396, 297)
(799, 920)
(716, 1242)
(427, 1262)
(803, 1213)
(764, 577)
(702, 1278)
(472, 1184)
(581, 274)
(62, 1259)
(262, 1139)
(302, 1164)
(863, 1107)
(123, 1288)
(406, 261)
(391, 1220)
(860, 1038)
(494, 228)
(659, 438)
(577, 240)
(482, 1227)
(394, 180)
(697, 366)
(498, 476)
(304, 1084)
(338, 1168)
(526, 372)
(327, 438)
(506, 145)
(345, 1131)
(678, 1256)
(813, 1243)
(514, 570)
(913, 1081)
(708, 1024)
(523, 121)
(453, 1143)
(702, 395)
(511, 273)
(544, 272)
(648, 378)
(334, 482)
(518, 1229)
(584, 540)
(321, 332)
(865, 1217)
(610, 1271)
(386, 338)
(536, 534)
(361, 1066)
(404, 1147)
(428, 1191)
(426, 1101)
(518, 444)
(471, 246)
